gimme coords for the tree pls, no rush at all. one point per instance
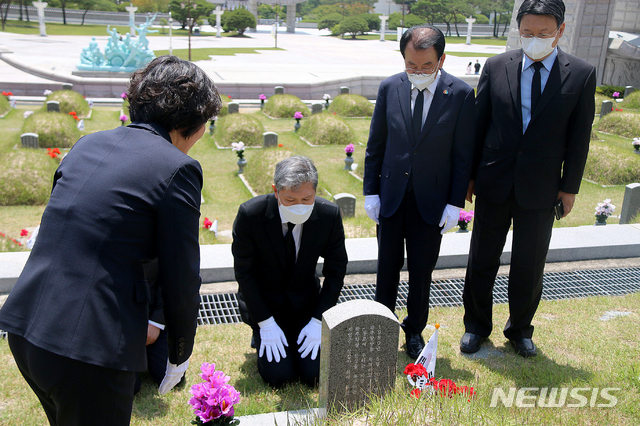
(329, 21)
(181, 14)
(239, 19)
(372, 19)
(395, 20)
(145, 6)
(353, 25)
(265, 11)
(6, 4)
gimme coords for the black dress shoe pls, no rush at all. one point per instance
(415, 344)
(524, 347)
(470, 343)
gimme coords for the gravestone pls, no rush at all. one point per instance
(67, 86)
(279, 90)
(359, 354)
(53, 106)
(347, 204)
(316, 108)
(629, 90)
(269, 139)
(630, 203)
(234, 107)
(344, 90)
(606, 108)
(29, 140)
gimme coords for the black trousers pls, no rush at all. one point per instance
(423, 246)
(292, 368)
(531, 237)
(74, 393)
(157, 356)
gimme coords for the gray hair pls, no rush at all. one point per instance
(294, 171)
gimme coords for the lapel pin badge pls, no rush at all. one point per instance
(446, 92)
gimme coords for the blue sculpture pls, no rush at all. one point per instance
(119, 55)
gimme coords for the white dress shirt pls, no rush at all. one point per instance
(428, 97)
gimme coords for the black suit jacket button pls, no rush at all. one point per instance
(181, 339)
(406, 174)
(180, 353)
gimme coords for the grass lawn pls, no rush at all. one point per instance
(205, 54)
(576, 350)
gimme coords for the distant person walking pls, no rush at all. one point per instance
(470, 68)
(477, 67)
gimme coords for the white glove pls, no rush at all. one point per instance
(372, 207)
(312, 332)
(272, 338)
(450, 216)
(172, 376)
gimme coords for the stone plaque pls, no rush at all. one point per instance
(630, 203)
(234, 107)
(606, 108)
(269, 139)
(67, 86)
(359, 354)
(629, 90)
(344, 90)
(316, 108)
(53, 106)
(347, 204)
(29, 140)
(279, 90)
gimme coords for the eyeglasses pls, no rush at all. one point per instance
(428, 71)
(540, 36)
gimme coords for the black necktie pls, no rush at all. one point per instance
(417, 114)
(536, 86)
(290, 250)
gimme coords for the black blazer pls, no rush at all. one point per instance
(119, 197)
(259, 259)
(438, 160)
(552, 153)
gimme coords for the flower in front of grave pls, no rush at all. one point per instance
(213, 400)
(47, 92)
(605, 209)
(298, 115)
(238, 147)
(616, 95)
(465, 216)
(123, 95)
(26, 114)
(123, 118)
(24, 233)
(207, 223)
(53, 153)
(262, 97)
(349, 150)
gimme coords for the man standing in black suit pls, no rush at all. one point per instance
(417, 168)
(277, 240)
(535, 107)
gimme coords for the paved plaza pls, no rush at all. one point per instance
(309, 56)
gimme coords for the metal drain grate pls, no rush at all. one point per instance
(223, 308)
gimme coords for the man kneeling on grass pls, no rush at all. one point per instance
(277, 240)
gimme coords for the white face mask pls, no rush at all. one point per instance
(422, 81)
(297, 213)
(537, 48)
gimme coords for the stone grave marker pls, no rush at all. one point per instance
(630, 203)
(269, 139)
(629, 90)
(279, 90)
(344, 90)
(359, 354)
(234, 107)
(67, 86)
(606, 108)
(347, 204)
(29, 140)
(316, 108)
(53, 106)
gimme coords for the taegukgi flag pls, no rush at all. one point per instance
(428, 355)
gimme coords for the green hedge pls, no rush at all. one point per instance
(632, 101)
(238, 128)
(284, 106)
(609, 90)
(351, 106)
(326, 129)
(55, 130)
